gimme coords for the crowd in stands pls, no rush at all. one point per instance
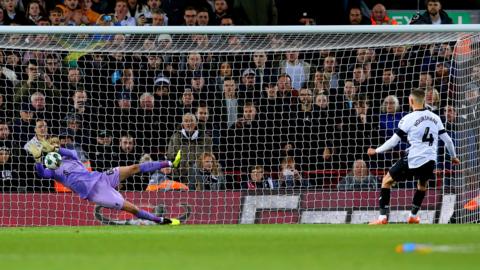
(205, 12)
(251, 120)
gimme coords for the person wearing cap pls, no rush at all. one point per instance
(101, 150)
(248, 89)
(306, 19)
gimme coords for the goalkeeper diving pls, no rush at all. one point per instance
(98, 187)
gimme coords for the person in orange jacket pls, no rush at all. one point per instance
(379, 16)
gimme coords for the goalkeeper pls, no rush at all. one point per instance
(98, 187)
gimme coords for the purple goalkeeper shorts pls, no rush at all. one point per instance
(104, 192)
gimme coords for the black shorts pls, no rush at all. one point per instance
(401, 172)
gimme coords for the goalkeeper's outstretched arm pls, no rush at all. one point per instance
(43, 172)
(52, 147)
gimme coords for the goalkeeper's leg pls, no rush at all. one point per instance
(140, 213)
(127, 171)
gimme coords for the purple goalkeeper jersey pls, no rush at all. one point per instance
(71, 173)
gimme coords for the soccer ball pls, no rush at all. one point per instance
(52, 160)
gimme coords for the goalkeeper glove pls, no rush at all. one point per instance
(48, 147)
(178, 158)
(36, 152)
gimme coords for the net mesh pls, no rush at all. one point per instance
(274, 128)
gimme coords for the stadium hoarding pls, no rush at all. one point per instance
(224, 207)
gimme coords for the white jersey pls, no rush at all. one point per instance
(422, 128)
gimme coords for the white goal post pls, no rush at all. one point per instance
(273, 121)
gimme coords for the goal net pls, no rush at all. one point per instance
(273, 123)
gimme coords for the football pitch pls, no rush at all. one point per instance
(238, 247)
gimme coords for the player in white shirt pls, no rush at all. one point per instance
(421, 128)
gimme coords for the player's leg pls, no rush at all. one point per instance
(398, 172)
(423, 173)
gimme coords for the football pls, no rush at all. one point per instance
(52, 160)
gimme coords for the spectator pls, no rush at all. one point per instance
(248, 91)
(425, 80)
(24, 126)
(298, 70)
(191, 141)
(330, 70)
(257, 180)
(138, 11)
(224, 72)
(121, 17)
(285, 89)
(53, 71)
(126, 153)
(147, 124)
(56, 17)
(379, 16)
(199, 88)
(227, 20)
(433, 15)
(432, 100)
(87, 11)
(248, 138)
(389, 118)
(12, 14)
(6, 138)
(256, 12)
(190, 16)
(203, 17)
(206, 174)
(41, 133)
(359, 178)
(36, 81)
(101, 151)
(226, 107)
(186, 104)
(210, 128)
(34, 12)
(289, 175)
(159, 18)
(442, 78)
(9, 177)
(263, 71)
(123, 115)
(221, 10)
(73, 13)
(355, 17)
(321, 83)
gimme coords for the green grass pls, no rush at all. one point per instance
(235, 247)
